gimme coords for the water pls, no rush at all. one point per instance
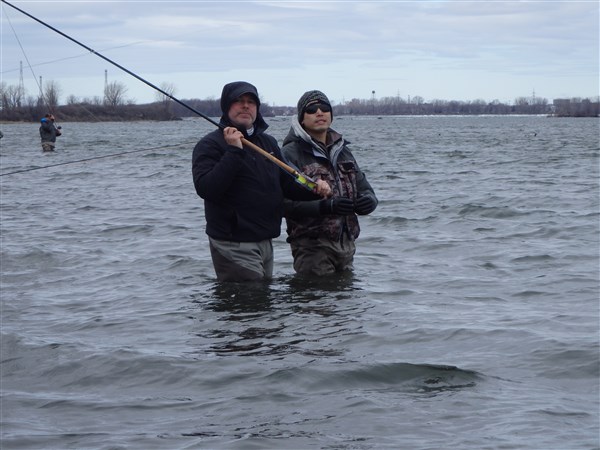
(471, 319)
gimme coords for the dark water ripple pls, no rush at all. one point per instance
(470, 320)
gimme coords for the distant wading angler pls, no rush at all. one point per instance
(242, 190)
(322, 233)
(48, 133)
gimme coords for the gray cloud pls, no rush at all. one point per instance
(520, 42)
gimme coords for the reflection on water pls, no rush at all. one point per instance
(239, 298)
(265, 318)
(244, 298)
(308, 286)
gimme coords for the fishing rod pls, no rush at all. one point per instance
(302, 179)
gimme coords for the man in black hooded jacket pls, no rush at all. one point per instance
(242, 190)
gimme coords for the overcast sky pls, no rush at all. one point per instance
(450, 50)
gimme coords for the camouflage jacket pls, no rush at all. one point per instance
(333, 163)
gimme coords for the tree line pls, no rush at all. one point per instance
(575, 107)
(17, 106)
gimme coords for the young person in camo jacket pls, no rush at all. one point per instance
(322, 233)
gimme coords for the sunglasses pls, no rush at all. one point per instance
(311, 109)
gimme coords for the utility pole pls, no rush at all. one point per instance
(373, 101)
(21, 84)
(41, 100)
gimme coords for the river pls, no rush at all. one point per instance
(471, 319)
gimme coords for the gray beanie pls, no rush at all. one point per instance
(309, 98)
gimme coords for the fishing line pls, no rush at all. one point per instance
(66, 58)
(302, 179)
(35, 78)
(108, 60)
(28, 63)
(93, 158)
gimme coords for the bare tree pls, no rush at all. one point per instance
(521, 101)
(114, 94)
(96, 101)
(52, 94)
(72, 100)
(11, 96)
(165, 100)
(167, 87)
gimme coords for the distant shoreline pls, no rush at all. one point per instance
(341, 117)
(98, 111)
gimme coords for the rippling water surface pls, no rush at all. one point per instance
(471, 319)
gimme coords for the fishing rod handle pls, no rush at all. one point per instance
(304, 180)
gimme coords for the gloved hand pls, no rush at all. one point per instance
(337, 206)
(365, 205)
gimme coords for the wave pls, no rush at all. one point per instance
(406, 377)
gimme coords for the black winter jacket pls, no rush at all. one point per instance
(242, 190)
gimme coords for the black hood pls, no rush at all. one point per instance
(233, 91)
